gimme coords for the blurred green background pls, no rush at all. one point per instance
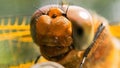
(14, 51)
(107, 8)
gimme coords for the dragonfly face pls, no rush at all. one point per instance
(52, 31)
(57, 29)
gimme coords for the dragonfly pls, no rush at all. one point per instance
(73, 37)
(22, 33)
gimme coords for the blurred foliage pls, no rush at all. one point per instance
(18, 7)
(16, 45)
(107, 8)
(28, 64)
